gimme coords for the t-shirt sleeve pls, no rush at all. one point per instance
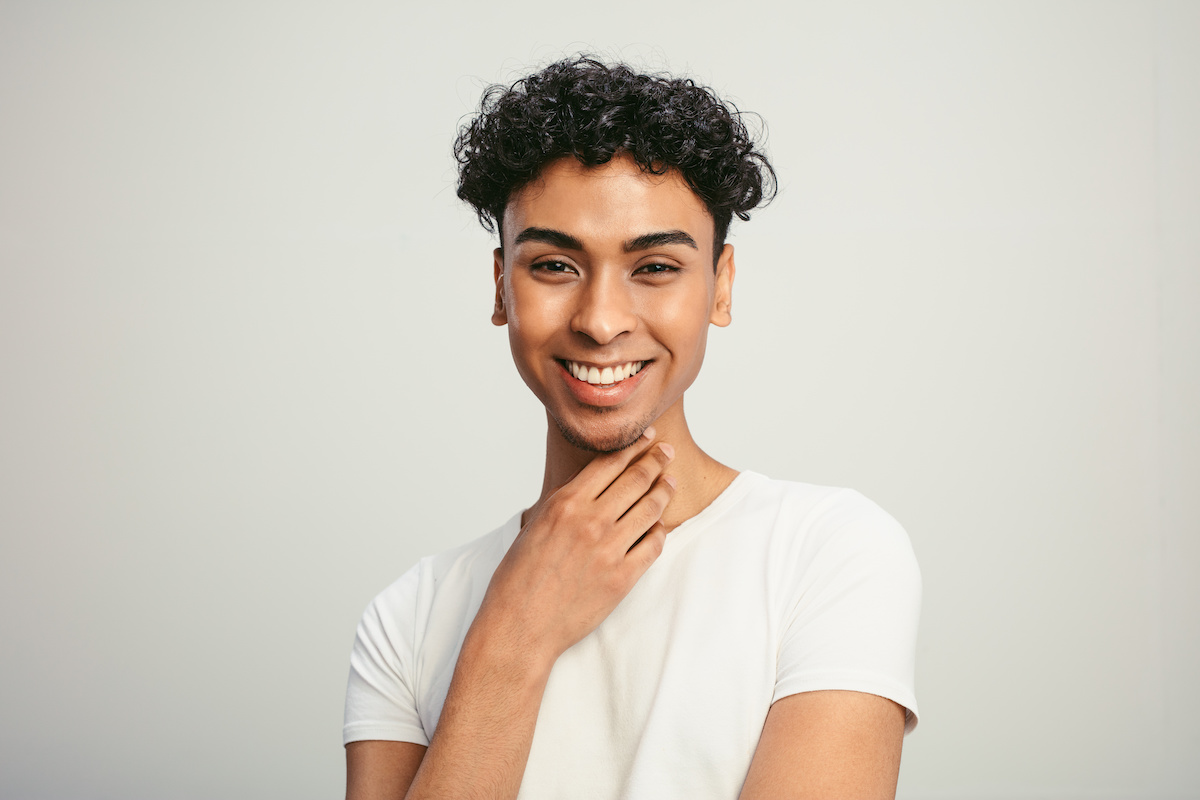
(852, 620)
(380, 695)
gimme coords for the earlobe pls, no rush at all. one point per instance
(499, 313)
(722, 307)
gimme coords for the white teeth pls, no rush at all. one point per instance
(607, 376)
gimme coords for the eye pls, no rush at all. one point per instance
(552, 267)
(655, 269)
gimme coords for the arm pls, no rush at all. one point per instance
(576, 557)
(828, 744)
(377, 770)
(482, 740)
(848, 647)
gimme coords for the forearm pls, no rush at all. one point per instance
(574, 560)
(482, 741)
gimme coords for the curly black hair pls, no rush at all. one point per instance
(591, 110)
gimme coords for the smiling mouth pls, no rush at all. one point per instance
(608, 376)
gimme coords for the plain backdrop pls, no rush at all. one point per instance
(247, 374)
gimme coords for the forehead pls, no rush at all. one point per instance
(608, 203)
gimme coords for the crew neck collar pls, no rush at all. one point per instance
(728, 497)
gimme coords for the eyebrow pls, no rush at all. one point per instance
(659, 239)
(644, 242)
(549, 236)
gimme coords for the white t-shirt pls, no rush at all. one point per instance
(775, 588)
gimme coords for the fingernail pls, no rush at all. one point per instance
(671, 480)
(649, 433)
(666, 448)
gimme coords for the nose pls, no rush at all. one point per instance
(604, 310)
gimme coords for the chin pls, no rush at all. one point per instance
(603, 438)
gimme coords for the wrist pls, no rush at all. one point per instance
(489, 649)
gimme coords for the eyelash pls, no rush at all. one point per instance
(645, 269)
(544, 266)
(656, 269)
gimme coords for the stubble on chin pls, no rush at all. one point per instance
(608, 442)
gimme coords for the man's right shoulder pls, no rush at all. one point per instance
(460, 570)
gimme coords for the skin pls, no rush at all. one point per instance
(602, 304)
(603, 266)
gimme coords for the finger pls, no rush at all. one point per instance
(647, 511)
(632, 484)
(602, 470)
(645, 552)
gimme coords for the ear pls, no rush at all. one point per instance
(722, 306)
(499, 314)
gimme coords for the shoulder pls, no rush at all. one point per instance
(849, 592)
(479, 555)
(822, 542)
(459, 572)
(811, 518)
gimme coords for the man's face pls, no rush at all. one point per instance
(607, 273)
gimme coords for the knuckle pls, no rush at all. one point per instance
(641, 472)
(591, 530)
(654, 512)
(613, 561)
(654, 545)
(655, 505)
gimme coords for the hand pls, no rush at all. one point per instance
(579, 554)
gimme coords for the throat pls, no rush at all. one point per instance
(699, 477)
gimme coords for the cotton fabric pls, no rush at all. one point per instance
(775, 588)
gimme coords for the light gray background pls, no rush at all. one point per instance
(248, 375)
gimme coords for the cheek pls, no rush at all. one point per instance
(534, 324)
(526, 356)
(682, 321)
(528, 320)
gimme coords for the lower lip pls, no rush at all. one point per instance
(602, 396)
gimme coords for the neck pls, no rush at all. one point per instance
(700, 477)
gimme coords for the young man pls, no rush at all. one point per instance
(657, 625)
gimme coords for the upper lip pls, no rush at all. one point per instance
(605, 365)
